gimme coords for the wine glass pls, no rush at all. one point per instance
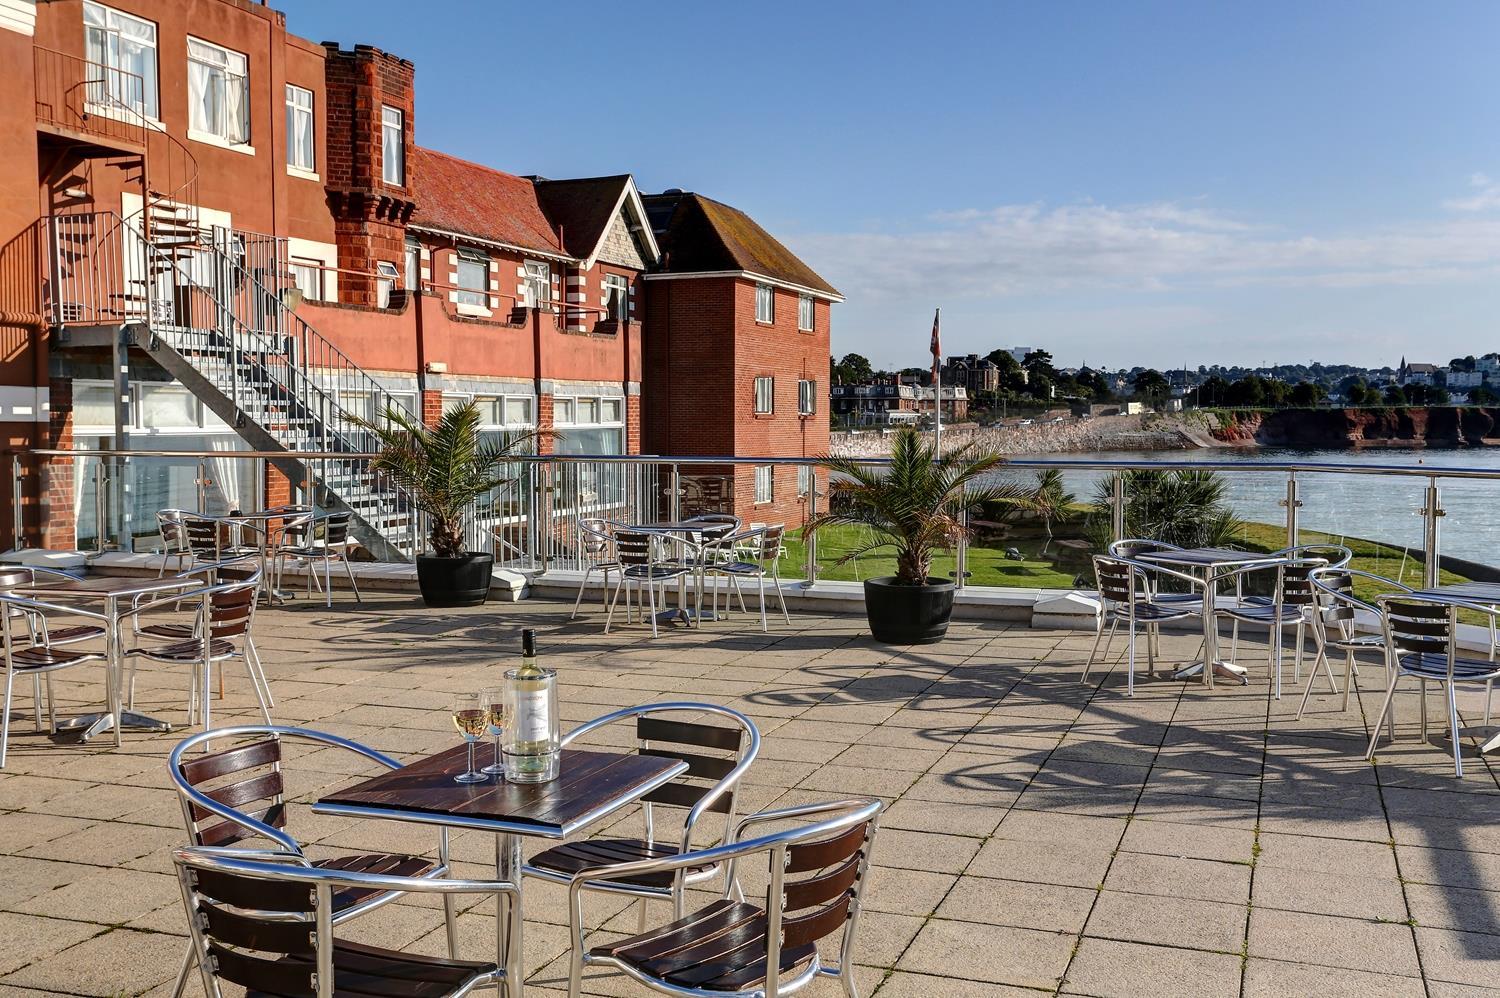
(468, 718)
(493, 700)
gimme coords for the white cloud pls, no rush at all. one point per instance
(1037, 249)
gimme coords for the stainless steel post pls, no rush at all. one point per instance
(18, 523)
(675, 509)
(809, 537)
(1432, 512)
(1292, 504)
(1117, 508)
(99, 504)
(961, 555)
(200, 481)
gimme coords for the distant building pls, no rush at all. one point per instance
(973, 372)
(955, 402)
(1416, 374)
(1463, 379)
(877, 404)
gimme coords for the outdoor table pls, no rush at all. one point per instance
(111, 589)
(592, 786)
(259, 522)
(684, 531)
(1210, 564)
(1485, 594)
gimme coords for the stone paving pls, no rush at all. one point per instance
(1042, 835)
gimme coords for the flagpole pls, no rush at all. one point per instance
(937, 385)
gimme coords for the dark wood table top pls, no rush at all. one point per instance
(1474, 592)
(592, 785)
(103, 586)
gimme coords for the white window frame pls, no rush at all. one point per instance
(616, 298)
(307, 273)
(765, 487)
(765, 395)
(413, 262)
(807, 314)
(101, 44)
(539, 283)
(385, 283)
(298, 118)
(807, 397)
(225, 131)
(463, 294)
(765, 303)
(393, 168)
(804, 479)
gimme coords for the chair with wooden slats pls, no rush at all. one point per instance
(717, 756)
(817, 874)
(239, 794)
(1421, 641)
(267, 927)
(33, 648)
(1334, 624)
(222, 631)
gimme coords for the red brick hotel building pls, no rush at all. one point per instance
(217, 235)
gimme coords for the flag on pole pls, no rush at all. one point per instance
(937, 345)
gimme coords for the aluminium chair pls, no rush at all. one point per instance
(597, 550)
(1421, 640)
(30, 652)
(1334, 624)
(327, 541)
(174, 541)
(718, 756)
(817, 873)
(642, 566)
(1125, 594)
(756, 555)
(1291, 603)
(264, 923)
(239, 794)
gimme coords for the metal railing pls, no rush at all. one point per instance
(88, 98)
(532, 522)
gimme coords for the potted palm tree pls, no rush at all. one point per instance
(446, 469)
(914, 507)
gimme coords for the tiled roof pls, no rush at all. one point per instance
(699, 234)
(458, 196)
(583, 208)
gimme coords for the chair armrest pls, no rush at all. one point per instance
(342, 878)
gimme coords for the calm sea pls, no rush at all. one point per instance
(1378, 507)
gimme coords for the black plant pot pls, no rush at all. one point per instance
(908, 615)
(461, 581)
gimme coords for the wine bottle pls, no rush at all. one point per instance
(532, 741)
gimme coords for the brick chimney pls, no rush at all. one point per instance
(370, 215)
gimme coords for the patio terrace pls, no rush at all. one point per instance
(1043, 836)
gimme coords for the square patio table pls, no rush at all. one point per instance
(1485, 594)
(591, 786)
(111, 589)
(1209, 563)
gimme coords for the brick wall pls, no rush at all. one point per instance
(432, 406)
(58, 523)
(544, 424)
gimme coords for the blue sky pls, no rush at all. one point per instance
(1122, 183)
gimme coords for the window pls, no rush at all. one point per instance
(765, 303)
(307, 275)
(616, 298)
(589, 425)
(473, 269)
(763, 475)
(538, 283)
(807, 397)
(413, 264)
(392, 145)
(385, 283)
(765, 395)
(517, 411)
(168, 406)
(125, 47)
(218, 92)
(299, 128)
(805, 313)
(610, 410)
(804, 479)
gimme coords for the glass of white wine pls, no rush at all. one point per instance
(469, 719)
(493, 700)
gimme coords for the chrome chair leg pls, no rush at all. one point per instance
(1422, 691)
(189, 961)
(36, 700)
(1385, 709)
(609, 614)
(1458, 745)
(10, 678)
(353, 583)
(581, 585)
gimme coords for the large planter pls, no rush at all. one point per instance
(908, 615)
(462, 581)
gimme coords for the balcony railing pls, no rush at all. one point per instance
(82, 98)
(1427, 523)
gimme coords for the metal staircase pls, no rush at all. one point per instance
(259, 367)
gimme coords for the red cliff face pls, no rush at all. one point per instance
(1445, 426)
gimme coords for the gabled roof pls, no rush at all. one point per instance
(701, 235)
(586, 208)
(456, 196)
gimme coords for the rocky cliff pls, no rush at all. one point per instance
(1446, 426)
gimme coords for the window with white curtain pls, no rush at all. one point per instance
(392, 145)
(763, 478)
(218, 91)
(765, 303)
(125, 47)
(539, 283)
(307, 275)
(299, 128)
(473, 268)
(806, 397)
(765, 395)
(385, 283)
(413, 264)
(616, 298)
(804, 479)
(805, 313)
